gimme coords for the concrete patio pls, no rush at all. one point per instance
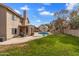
(19, 40)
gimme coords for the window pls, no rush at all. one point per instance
(13, 17)
(14, 31)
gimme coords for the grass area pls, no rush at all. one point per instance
(52, 45)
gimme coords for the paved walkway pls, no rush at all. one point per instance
(21, 40)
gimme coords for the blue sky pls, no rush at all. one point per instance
(40, 13)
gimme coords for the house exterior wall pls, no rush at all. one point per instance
(2, 22)
(30, 30)
(10, 23)
(7, 23)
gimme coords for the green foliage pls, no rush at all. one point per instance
(75, 22)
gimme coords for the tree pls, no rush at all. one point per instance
(59, 24)
(61, 17)
(73, 13)
(61, 14)
(74, 22)
(74, 19)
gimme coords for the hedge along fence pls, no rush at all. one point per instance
(72, 32)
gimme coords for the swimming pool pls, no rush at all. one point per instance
(43, 33)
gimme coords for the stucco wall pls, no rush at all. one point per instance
(72, 32)
(2, 22)
(11, 24)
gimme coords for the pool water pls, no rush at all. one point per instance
(43, 33)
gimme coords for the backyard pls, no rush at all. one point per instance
(51, 45)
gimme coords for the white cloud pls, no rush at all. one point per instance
(38, 20)
(25, 7)
(41, 9)
(52, 14)
(70, 6)
(46, 13)
(17, 11)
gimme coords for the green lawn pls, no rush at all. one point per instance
(52, 45)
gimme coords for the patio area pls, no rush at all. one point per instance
(19, 40)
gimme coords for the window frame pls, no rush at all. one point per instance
(13, 17)
(14, 30)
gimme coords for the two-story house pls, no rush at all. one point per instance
(12, 24)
